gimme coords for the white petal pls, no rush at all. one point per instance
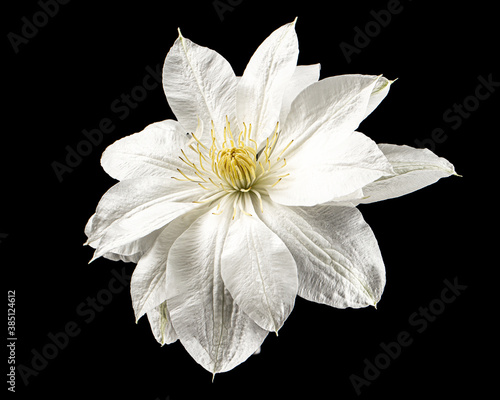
(303, 76)
(161, 325)
(210, 325)
(321, 172)
(261, 88)
(154, 151)
(338, 259)
(148, 285)
(332, 107)
(413, 170)
(133, 251)
(380, 91)
(199, 83)
(347, 200)
(259, 271)
(134, 208)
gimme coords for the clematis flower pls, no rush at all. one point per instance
(249, 198)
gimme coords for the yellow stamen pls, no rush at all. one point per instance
(232, 165)
(287, 146)
(278, 181)
(260, 199)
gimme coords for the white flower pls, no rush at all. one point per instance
(248, 200)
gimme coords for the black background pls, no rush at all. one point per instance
(82, 59)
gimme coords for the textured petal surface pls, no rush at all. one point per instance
(413, 170)
(133, 251)
(210, 325)
(380, 91)
(148, 284)
(303, 76)
(261, 88)
(338, 258)
(321, 172)
(259, 271)
(154, 151)
(199, 83)
(134, 208)
(332, 107)
(161, 325)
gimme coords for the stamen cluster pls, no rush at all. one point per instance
(233, 167)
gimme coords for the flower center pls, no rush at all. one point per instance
(236, 165)
(233, 168)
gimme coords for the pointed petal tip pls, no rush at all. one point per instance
(95, 256)
(180, 34)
